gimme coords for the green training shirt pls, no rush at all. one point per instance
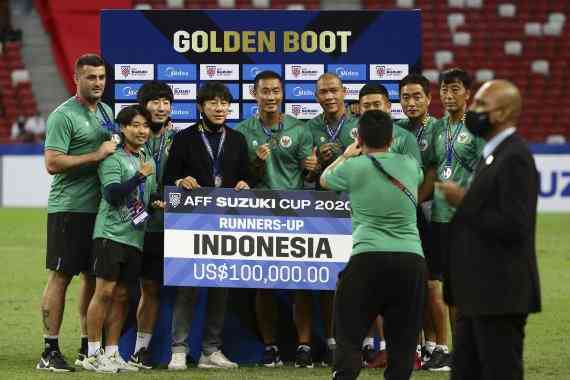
(74, 130)
(319, 132)
(383, 217)
(115, 223)
(159, 153)
(404, 142)
(466, 154)
(423, 136)
(289, 147)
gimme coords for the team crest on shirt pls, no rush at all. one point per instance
(423, 145)
(463, 138)
(285, 141)
(323, 139)
(254, 143)
(354, 133)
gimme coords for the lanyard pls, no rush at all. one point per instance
(269, 132)
(449, 142)
(394, 180)
(136, 165)
(107, 123)
(333, 133)
(216, 160)
(157, 154)
(420, 132)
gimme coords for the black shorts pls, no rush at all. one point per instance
(426, 236)
(439, 253)
(114, 261)
(69, 242)
(153, 257)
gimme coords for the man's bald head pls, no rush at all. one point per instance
(500, 95)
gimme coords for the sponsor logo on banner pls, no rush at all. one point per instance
(300, 91)
(174, 199)
(250, 71)
(397, 112)
(303, 110)
(348, 72)
(176, 72)
(127, 91)
(352, 90)
(388, 72)
(233, 113)
(219, 72)
(249, 110)
(304, 72)
(181, 126)
(183, 91)
(120, 106)
(248, 91)
(134, 71)
(554, 182)
(393, 90)
(183, 111)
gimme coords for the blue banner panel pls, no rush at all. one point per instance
(183, 111)
(193, 46)
(127, 91)
(176, 72)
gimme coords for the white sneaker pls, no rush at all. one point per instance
(100, 363)
(216, 360)
(177, 362)
(121, 364)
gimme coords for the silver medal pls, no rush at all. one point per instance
(218, 181)
(116, 138)
(446, 173)
(489, 160)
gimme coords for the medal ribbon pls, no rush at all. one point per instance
(333, 134)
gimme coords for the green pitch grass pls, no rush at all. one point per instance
(22, 276)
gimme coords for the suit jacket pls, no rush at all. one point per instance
(492, 266)
(189, 157)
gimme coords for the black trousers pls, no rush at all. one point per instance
(488, 347)
(391, 284)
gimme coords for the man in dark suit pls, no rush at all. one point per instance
(493, 276)
(207, 153)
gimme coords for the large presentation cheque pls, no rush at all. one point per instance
(255, 238)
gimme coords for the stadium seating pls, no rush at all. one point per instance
(16, 96)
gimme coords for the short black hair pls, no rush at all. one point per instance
(375, 128)
(213, 90)
(266, 74)
(127, 114)
(456, 75)
(89, 59)
(415, 78)
(373, 88)
(154, 90)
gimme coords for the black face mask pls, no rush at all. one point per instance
(478, 123)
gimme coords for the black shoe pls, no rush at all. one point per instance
(53, 361)
(439, 361)
(368, 355)
(426, 356)
(303, 357)
(141, 359)
(329, 357)
(271, 358)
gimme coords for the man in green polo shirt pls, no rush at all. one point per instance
(157, 98)
(386, 272)
(280, 147)
(128, 184)
(375, 96)
(454, 156)
(415, 99)
(76, 141)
